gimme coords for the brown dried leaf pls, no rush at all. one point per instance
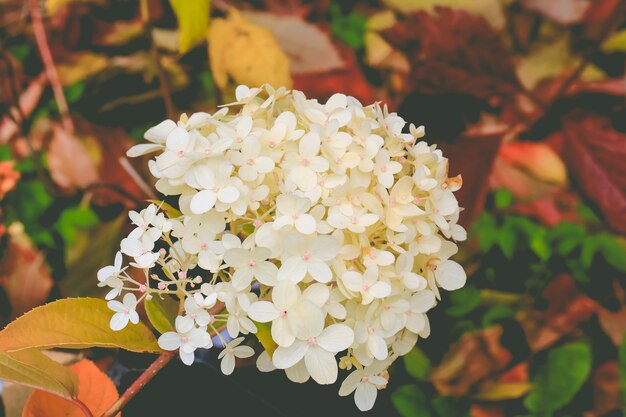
(613, 324)
(606, 389)
(474, 358)
(565, 12)
(453, 51)
(70, 162)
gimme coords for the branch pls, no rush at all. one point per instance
(164, 86)
(140, 382)
(48, 62)
(83, 407)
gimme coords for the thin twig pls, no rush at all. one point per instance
(83, 407)
(140, 382)
(132, 172)
(48, 62)
(164, 86)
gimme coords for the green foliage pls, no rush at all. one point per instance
(463, 301)
(410, 401)
(162, 313)
(74, 92)
(193, 22)
(73, 218)
(348, 28)
(560, 378)
(417, 364)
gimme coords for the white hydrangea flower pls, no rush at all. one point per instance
(328, 223)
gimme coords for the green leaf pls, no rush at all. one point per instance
(560, 378)
(540, 245)
(463, 301)
(73, 218)
(622, 372)
(410, 401)
(349, 28)
(486, 231)
(6, 153)
(503, 198)
(74, 323)
(74, 92)
(20, 51)
(208, 84)
(264, 336)
(162, 313)
(507, 239)
(450, 407)
(417, 364)
(171, 211)
(590, 247)
(614, 251)
(193, 22)
(497, 313)
(33, 368)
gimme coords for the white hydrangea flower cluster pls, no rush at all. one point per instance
(323, 226)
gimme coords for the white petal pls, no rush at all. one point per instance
(169, 341)
(352, 280)
(380, 289)
(336, 337)
(264, 362)
(286, 357)
(266, 272)
(321, 365)
(306, 320)
(285, 294)
(202, 202)
(186, 357)
(365, 396)
(159, 133)
(143, 149)
(292, 269)
(350, 383)
(298, 373)
(305, 224)
(423, 301)
(282, 333)
(227, 364)
(263, 311)
(228, 194)
(118, 321)
(320, 272)
(377, 347)
(242, 278)
(183, 324)
(450, 275)
(318, 294)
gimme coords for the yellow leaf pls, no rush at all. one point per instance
(551, 60)
(491, 10)
(381, 20)
(162, 313)
(96, 391)
(616, 42)
(193, 21)
(53, 6)
(81, 65)
(247, 53)
(74, 323)
(503, 391)
(265, 337)
(32, 368)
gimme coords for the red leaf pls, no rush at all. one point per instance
(606, 389)
(453, 51)
(349, 81)
(473, 159)
(595, 154)
(478, 410)
(613, 324)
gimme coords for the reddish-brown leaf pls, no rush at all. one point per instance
(95, 390)
(24, 275)
(479, 410)
(473, 159)
(567, 308)
(613, 324)
(595, 154)
(349, 80)
(565, 12)
(606, 389)
(475, 357)
(452, 51)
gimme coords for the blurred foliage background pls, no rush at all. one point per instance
(526, 98)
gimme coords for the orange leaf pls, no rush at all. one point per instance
(95, 390)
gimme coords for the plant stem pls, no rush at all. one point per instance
(164, 86)
(83, 407)
(48, 62)
(140, 382)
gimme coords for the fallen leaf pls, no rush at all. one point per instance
(606, 389)
(246, 52)
(595, 154)
(118, 32)
(473, 159)
(80, 65)
(565, 12)
(193, 21)
(475, 357)
(567, 308)
(453, 51)
(96, 391)
(69, 160)
(613, 323)
(536, 158)
(491, 10)
(24, 275)
(548, 60)
(350, 81)
(310, 49)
